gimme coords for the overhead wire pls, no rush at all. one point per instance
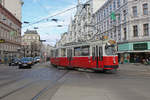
(45, 19)
(45, 10)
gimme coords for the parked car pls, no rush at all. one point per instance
(26, 62)
(14, 62)
(37, 59)
(32, 60)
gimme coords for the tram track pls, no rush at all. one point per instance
(10, 82)
(16, 90)
(29, 84)
(36, 97)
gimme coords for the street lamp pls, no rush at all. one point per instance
(26, 22)
(36, 28)
(4, 18)
(55, 20)
(59, 25)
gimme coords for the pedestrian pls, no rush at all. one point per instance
(122, 59)
(135, 59)
(0, 60)
(128, 58)
(5, 60)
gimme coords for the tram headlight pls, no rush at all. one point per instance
(114, 60)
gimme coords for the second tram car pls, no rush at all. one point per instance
(97, 55)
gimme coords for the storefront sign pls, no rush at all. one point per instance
(2, 41)
(140, 46)
(125, 47)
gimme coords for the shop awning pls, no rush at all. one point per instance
(142, 51)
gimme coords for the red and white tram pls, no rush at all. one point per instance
(98, 55)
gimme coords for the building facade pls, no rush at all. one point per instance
(31, 44)
(80, 27)
(10, 35)
(14, 6)
(46, 52)
(128, 22)
(64, 39)
(78, 30)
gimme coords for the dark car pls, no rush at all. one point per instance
(26, 62)
(14, 62)
(37, 59)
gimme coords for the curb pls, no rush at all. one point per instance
(3, 65)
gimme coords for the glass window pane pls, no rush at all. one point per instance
(85, 51)
(77, 51)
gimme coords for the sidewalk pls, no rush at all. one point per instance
(135, 67)
(3, 65)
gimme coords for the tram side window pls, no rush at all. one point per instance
(77, 51)
(51, 53)
(100, 53)
(56, 53)
(69, 52)
(63, 52)
(93, 51)
(85, 51)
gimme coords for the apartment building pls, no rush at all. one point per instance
(31, 44)
(128, 22)
(13, 6)
(10, 34)
(64, 39)
(78, 30)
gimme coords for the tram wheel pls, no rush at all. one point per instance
(54, 65)
(113, 71)
(61, 68)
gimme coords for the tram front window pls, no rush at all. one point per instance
(110, 50)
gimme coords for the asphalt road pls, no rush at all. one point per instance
(44, 82)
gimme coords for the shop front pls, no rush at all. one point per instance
(135, 52)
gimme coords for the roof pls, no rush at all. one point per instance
(31, 32)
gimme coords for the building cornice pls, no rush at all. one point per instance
(133, 41)
(9, 15)
(7, 27)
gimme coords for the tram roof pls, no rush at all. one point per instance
(75, 44)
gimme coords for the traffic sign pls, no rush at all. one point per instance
(113, 16)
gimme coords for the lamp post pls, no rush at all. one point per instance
(19, 49)
(26, 22)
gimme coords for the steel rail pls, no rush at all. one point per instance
(28, 84)
(48, 87)
(18, 89)
(10, 82)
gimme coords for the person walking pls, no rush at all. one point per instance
(0, 60)
(122, 59)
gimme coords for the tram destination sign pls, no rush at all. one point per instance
(2, 41)
(140, 46)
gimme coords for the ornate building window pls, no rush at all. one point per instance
(146, 29)
(134, 10)
(145, 9)
(135, 30)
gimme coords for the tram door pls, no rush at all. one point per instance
(69, 56)
(97, 53)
